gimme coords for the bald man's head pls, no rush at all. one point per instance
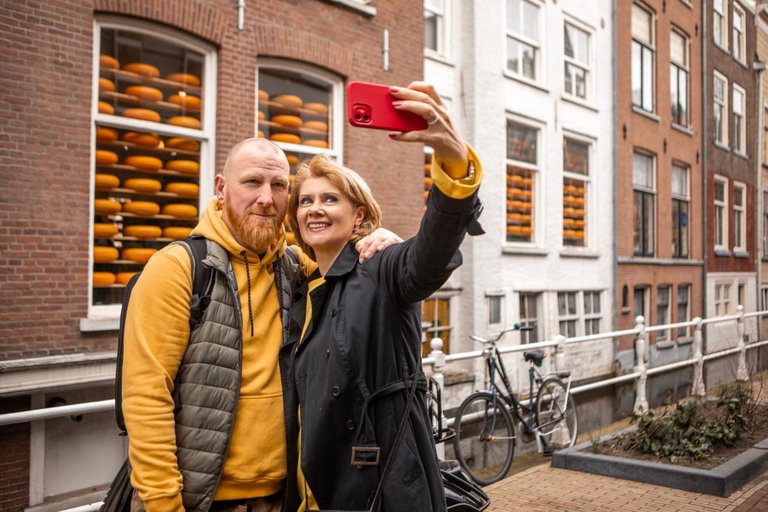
(255, 147)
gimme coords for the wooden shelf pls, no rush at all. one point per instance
(130, 192)
(135, 78)
(120, 262)
(134, 239)
(110, 286)
(159, 216)
(121, 144)
(292, 129)
(160, 172)
(282, 107)
(134, 101)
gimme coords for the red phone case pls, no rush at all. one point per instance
(370, 106)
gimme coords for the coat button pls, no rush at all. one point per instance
(335, 391)
(334, 312)
(350, 425)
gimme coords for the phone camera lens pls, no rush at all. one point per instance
(358, 116)
(366, 118)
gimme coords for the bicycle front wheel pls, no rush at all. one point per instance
(556, 415)
(485, 438)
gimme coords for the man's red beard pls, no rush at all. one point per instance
(257, 233)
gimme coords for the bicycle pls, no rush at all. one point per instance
(485, 431)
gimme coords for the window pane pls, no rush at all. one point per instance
(683, 98)
(719, 89)
(494, 310)
(531, 17)
(737, 131)
(529, 61)
(679, 181)
(718, 4)
(562, 304)
(637, 74)
(717, 28)
(513, 55)
(574, 212)
(738, 196)
(582, 48)
(520, 205)
(522, 143)
(719, 225)
(569, 45)
(647, 79)
(576, 157)
(677, 48)
(673, 93)
(571, 303)
(648, 219)
(737, 228)
(569, 71)
(641, 24)
(638, 238)
(683, 249)
(719, 191)
(596, 302)
(513, 16)
(719, 128)
(430, 30)
(642, 170)
(738, 101)
(639, 302)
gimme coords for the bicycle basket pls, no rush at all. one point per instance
(461, 493)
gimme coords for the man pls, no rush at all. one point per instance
(203, 407)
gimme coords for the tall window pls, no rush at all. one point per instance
(529, 316)
(645, 199)
(721, 108)
(765, 224)
(739, 40)
(434, 26)
(575, 186)
(147, 186)
(522, 172)
(436, 312)
(764, 298)
(577, 63)
(680, 211)
(683, 309)
(643, 56)
(568, 316)
(722, 299)
(495, 305)
(523, 38)
(739, 217)
(640, 302)
(742, 295)
(662, 311)
(721, 213)
(592, 313)
(739, 120)
(678, 76)
(720, 24)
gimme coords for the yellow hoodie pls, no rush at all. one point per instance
(156, 336)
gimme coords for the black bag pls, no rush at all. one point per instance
(461, 493)
(120, 491)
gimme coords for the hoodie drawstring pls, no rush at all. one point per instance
(248, 277)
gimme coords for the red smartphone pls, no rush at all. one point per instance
(370, 106)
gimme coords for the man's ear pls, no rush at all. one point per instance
(218, 182)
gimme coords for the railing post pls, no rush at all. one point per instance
(698, 367)
(742, 374)
(437, 374)
(641, 402)
(560, 353)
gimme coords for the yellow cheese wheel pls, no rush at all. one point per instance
(183, 189)
(103, 278)
(292, 159)
(285, 137)
(287, 120)
(124, 277)
(288, 99)
(261, 116)
(106, 181)
(106, 108)
(316, 125)
(107, 61)
(185, 121)
(260, 134)
(317, 107)
(426, 194)
(142, 208)
(142, 113)
(142, 69)
(176, 232)
(104, 254)
(148, 140)
(104, 134)
(181, 143)
(513, 230)
(106, 206)
(526, 230)
(184, 78)
(263, 95)
(149, 163)
(142, 231)
(140, 254)
(143, 185)
(106, 85)
(427, 169)
(316, 143)
(427, 182)
(513, 217)
(180, 210)
(145, 93)
(103, 230)
(186, 101)
(185, 166)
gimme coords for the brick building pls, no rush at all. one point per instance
(95, 94)
(762, 127)
(659, 211)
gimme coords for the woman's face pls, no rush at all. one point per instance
(326, 216)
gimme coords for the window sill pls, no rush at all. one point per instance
(100, 324)
(687, 4)
(741, 63)
(40, 374)
(645, 113)
(649, 260)
(356, 6)
(524, 251)
(580, 102)
(722, 146)
(723, 253)
(740, 254)
(664, 344)
(739, 154)
(579, 253)
(526, 81)
(442, 59)
(724, 50)
(683, 129)
(685, 341)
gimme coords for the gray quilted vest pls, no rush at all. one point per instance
(208, 380)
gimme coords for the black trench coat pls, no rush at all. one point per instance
(352, 373)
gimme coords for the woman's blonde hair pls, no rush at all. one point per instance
(349, 182)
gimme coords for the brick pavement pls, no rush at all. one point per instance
(546, 489)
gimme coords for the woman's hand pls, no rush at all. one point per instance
(376, 242)
(422, 99)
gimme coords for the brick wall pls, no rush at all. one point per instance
(14, 458)
(45, 130)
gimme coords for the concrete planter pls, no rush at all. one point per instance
(720, 481)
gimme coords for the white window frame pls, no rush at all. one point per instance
(724, 216)
(740, 220)
(526, 320)
(724, 104)
(442, 27)
(336, 115)
(106, 317)
(587, 180)
(652, 191)
(663, 335)
(646, 302)
(592, 316)
(539, 57)
(764, 298)
(684, 198)
(490, 297)
(569, 317)
(723, 299)
(586, 67)
(651, 47)
(536, 211)
(430, 333)
(740, 144)
(684, 67)
(723, 41)
(683, 332)
(739, 35)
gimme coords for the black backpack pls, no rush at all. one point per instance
(287, 276)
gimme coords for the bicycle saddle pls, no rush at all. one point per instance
(535, 356)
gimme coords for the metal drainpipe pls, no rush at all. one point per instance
(760, 67)
(615, 184)
(704, 82)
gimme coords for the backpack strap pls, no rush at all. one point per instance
(288, 279)
(203, 278)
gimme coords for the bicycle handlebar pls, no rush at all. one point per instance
(516, 327)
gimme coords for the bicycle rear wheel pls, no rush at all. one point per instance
(556, 415)
(485, 438)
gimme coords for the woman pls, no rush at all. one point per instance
(355, 344)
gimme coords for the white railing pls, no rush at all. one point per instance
(437, 360)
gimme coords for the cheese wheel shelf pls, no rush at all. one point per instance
(160, 172)
(159, 216)
(110, 286)
(121, 262)
(134, 239)
(131, 193)
(134, 78)
(282, 107)
(291, 129)
(133, 101)
(120, 144)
